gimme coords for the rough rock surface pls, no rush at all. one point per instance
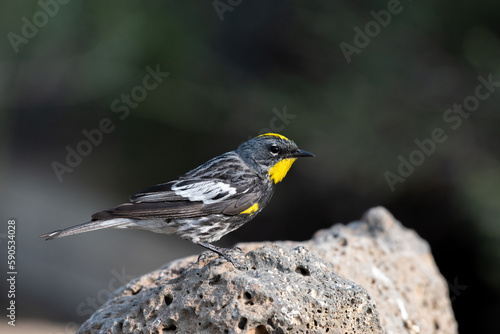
(371, 276)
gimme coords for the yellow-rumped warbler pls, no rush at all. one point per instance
(208, 202)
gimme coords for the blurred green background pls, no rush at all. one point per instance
(236, 71)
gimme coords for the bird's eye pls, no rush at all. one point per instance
(274, 149)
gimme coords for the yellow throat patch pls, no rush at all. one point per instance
(278, 171)
(274, 135)
(251, 209)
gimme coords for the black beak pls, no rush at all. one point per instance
(302, 154)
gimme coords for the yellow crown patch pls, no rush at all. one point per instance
(274, 135)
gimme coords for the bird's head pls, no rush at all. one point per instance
(271, 154)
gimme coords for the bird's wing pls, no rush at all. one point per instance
(192, 189)
(185, 198)
(158, 193)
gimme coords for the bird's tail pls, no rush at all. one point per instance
(87, 227)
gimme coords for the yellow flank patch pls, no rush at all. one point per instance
(278, 171)
(275, 135)
(251, 209)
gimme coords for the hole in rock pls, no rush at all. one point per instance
(242, 323)
(169, 299)
(302, 270)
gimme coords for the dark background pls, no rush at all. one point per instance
(230, 75)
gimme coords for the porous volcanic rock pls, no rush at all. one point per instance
(371, 276)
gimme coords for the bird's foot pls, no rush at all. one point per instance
(225, 254)
(236, 249)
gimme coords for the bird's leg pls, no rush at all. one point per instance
(222, 252)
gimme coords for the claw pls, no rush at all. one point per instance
(224, 253)
(238, 249)
(204, 256)
(234, 262)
